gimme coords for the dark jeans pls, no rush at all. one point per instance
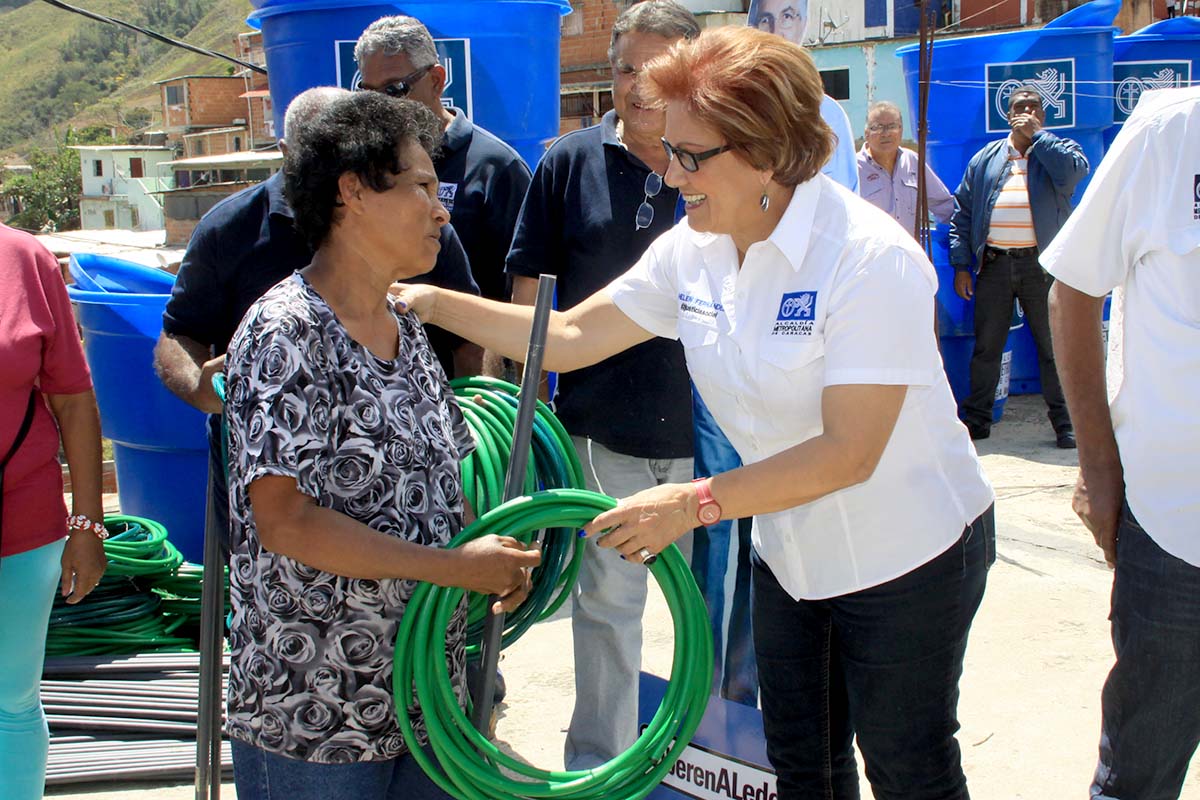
(260, 775)
(883, 664)
(1001, 279)
(1151, 700)
(721, 567)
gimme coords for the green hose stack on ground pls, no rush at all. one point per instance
(489, 406)
(147, 602)
(470, 767)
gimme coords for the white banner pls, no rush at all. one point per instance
(707, 775)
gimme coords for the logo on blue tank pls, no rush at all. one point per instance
(453, 54)
(1131, 78)
(1055, 79)
(797, 310)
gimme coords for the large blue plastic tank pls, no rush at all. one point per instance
(956, 329)
(972, 78)
(1160, 56)
(501, 56)
(159, 443)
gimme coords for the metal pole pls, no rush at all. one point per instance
(212, 611)
(485, 688)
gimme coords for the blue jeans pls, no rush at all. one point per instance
(1151, 701)
(881, 664)
(27, 584)
(261, 775)
(735, 674)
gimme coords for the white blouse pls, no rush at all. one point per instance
(838, 294)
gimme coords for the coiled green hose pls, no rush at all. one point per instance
(466, 764)
(141, 605)
(489, 406)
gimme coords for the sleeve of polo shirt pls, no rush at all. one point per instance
(1110, 229)
(198, 305)
(537, 240)
(646, 292)
(64, 370)
(879, 326)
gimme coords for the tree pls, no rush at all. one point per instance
(49, 196)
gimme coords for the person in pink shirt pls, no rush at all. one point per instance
(45, 398)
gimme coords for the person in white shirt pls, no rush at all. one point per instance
(1137, 231)
(806, 317)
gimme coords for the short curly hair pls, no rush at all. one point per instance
(759, 91)
(360, 133)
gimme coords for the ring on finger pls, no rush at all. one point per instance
(648, 558)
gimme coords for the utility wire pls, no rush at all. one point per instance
(153, 35)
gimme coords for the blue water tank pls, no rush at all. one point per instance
(501, 56)
(956, 329)
(159, 442)
(972, 78)
(1160, 56)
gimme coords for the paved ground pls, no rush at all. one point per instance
(1038, 655)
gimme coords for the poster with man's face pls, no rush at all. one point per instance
(788, 18)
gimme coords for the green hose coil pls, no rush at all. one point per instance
(489, 406)
(467, 765)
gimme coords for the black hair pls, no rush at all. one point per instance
(1027, 88)
(359, 133)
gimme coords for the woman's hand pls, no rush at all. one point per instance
(83, 564)
(413, 298)
(498, 565)
(651, 519)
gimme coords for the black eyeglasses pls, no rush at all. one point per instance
(398, 89)
(645, 212)
(691, 161)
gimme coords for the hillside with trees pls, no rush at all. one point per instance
(59, 70)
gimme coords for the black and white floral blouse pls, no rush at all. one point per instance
(379, 441)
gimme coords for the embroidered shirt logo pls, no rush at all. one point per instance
(796, 313)
(698, 309)
(1196, 197)
(447, 193)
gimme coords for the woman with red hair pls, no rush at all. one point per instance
(806, 315)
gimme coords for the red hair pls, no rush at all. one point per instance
(759, 91)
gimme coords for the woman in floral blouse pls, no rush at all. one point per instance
(345, 441)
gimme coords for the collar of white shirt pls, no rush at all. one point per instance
(792, 233)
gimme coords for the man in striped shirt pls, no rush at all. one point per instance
(1014, 196)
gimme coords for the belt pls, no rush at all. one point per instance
(1012, 252)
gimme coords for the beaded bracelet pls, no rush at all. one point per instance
(79, 522)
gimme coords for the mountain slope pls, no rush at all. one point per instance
(59, 68)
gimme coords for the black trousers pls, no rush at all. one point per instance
(1002, 278)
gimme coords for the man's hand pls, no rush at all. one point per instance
(963, 286)
(1025, 126)
(1098, 502)
(206, 395)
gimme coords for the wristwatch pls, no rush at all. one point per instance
(709, 512)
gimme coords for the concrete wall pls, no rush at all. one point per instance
(875, 74)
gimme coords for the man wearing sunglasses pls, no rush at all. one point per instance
(595, 205)
(483, 180)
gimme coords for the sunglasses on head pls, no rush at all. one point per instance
(398, 89)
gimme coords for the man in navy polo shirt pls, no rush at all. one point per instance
(483, 180)
(593, 208)
(242, 247)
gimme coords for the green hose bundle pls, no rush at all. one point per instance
(123, 614)
(466, 764)
(489, 406)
